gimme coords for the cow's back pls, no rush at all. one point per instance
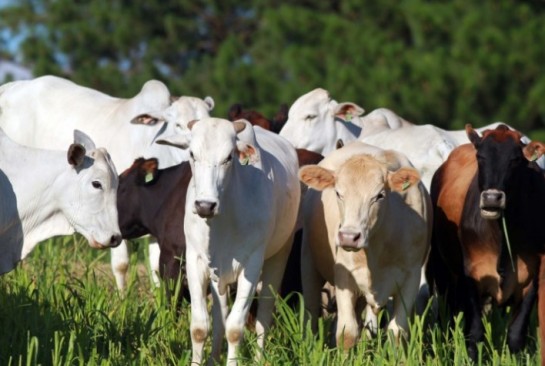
(44, 112)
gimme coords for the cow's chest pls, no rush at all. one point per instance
(375, 283)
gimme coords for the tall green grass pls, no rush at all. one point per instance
(61, 307)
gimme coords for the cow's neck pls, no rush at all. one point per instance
(38, 197)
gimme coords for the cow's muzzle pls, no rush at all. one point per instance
(206, 209)
(492, 204)
(351, 241)
(114, 241)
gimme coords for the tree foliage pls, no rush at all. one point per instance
(441, 62)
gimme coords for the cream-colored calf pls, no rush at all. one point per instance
(367, 230)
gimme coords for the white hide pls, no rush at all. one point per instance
(43, 112)
(427, 146)
(249, 236)
(312, 125)
(43, 196)
(315, 122)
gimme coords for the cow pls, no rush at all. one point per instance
(426, 146)
(316, 122)
(487, 241)
(42, 113)
(152, 201)
(47, 193)
(241, 210)
(275, 124)
(367, 230)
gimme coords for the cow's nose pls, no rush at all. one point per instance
(115, 240)
(493, 198)
(205, 208)
(349, 240)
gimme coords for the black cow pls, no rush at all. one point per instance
(471, 260)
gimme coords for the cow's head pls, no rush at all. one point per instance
(216, 146)
(177, 116)
(311, 123)
(87, 193)
(500, 157)
(363, 186)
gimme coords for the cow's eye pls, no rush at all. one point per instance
(339, 196)
(96, 184)
(310, 117)
(191, 155)
(227, 160)
(380, 196)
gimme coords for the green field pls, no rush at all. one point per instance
(61, 307)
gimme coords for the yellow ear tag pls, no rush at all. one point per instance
(405, 185)
(245, 160)
(149, 177)
(534, 156)
(348, 116)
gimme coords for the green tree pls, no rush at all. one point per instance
(441, 62)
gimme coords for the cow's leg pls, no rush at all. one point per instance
(541, 306)
(423, 293)
(347, 323)
(154, 253)
(404, 302)
(119, 259)
(219, 315)
(172, 272)
(246, 287)
(312, 283)
(474, 328)
(518, 329)
(271, 278)
(370, 323)
(197, 278)
(346, 291)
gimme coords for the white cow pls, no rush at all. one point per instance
(367, 232)
(241, 210)
(426, 146)
(315, 122)
(44, 195)
(43, 112)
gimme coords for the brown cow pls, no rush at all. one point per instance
(274, 124)
(470, 260)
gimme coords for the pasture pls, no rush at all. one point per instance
(61, 307)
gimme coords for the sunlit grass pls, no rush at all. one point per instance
(61, 307)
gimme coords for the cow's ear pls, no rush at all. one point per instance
(76, 154)
(347, 110)
(403, 178)
(209, 101)
(316, 177)
(534, 150)
(148, 171)
(83, 139)
(472, 135)
(148, 119)
(247, 153)
(239, 125)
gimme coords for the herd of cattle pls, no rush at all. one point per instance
(399, 209)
